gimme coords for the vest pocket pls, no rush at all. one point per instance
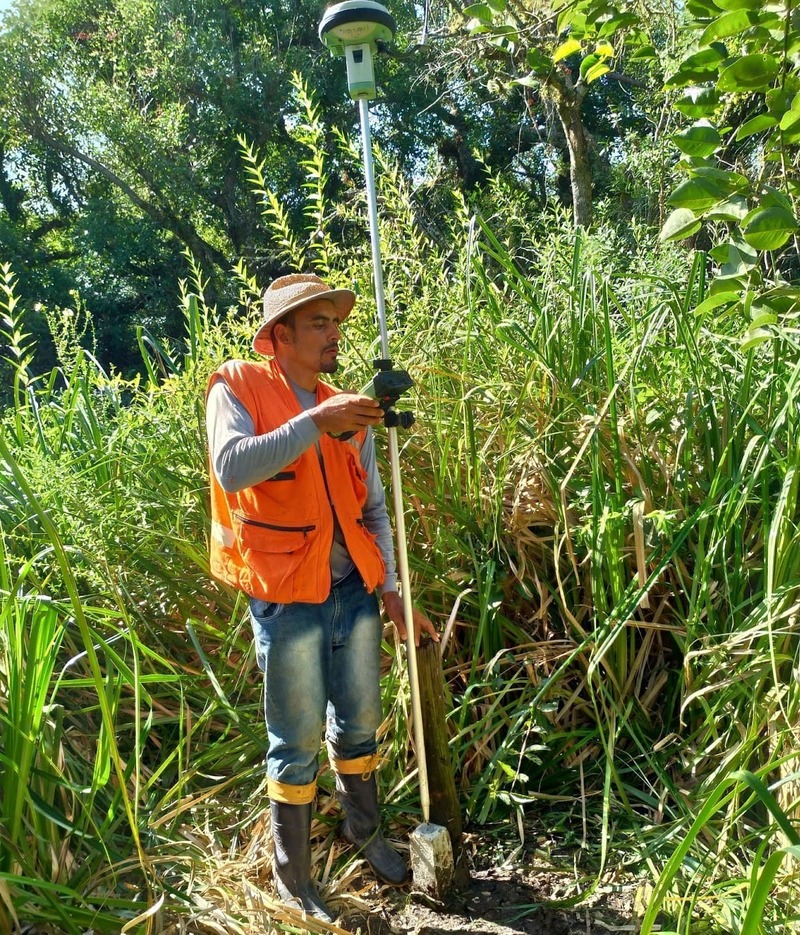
(269, 537)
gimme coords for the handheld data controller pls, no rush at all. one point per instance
(387, 386)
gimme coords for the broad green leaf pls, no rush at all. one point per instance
(604, 48)
(739, 4)
(702, 66)
(769, 228)
(734, 261)
(480, 11)
(700, 140)
(775, 198)
(714, 301)
(727, 283)
(681, 223)
(615, 23)
(732, 209)
(755, 125)
(753, 337)
(538, 62)
(790, 120)
(644, 52)
(698, 102)
(732, 23)
(749, 73)
(504, 36)
(761, 316)
(499, 6)
(587, 64)
(701, 9)
(596, 71)
(570, 47)
(781, 98)
(733, 181)
(698, 195)
(782, 300)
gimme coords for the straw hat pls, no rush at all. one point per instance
(290, 292)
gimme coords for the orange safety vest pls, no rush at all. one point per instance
(273, 540)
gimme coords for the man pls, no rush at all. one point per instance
(299, 524)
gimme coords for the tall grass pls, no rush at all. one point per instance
(602, 495)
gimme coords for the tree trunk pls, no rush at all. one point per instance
(569, 100)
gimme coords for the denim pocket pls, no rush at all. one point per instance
(265, 610)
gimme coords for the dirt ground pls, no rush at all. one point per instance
(496, 902)
(530, 895)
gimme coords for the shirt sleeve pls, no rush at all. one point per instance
(240, 458)
(376, 518)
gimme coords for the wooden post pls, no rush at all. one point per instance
(445, 808)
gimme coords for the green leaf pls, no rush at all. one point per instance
(700, 140)
(732, 181)
(680, 224)
(698, 195)
(732, 209)
(702, 66)
(538, 62)
(482, 12)
(739, 4)
(769, 228)
(698, 102)
(604, 48)
(596, 71)
(714, 301)
(755, 125)
(790, 120)
(499, 6)
(761, 316)
(701, 9)
(570, 47)
(750, 73)
(753, 337)
(644, 52)
(587, 64)
(774, 198)
(732, 23)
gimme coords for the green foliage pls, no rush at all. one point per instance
(602, 492)
(739, 82)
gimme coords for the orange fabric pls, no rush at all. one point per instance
(273, 540)
(291, 795)
(363, 766)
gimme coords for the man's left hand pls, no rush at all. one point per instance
(393, 605)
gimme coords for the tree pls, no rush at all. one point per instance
(559, 55)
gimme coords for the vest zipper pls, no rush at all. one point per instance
(254, 522)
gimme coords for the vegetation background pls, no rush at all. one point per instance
(589, 229)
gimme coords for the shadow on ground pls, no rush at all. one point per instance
(496, 902)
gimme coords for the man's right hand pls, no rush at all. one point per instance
(346, 412)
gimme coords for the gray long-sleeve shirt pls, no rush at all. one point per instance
(240, 459)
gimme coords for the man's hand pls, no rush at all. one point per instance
(393, 606)
(346, 412)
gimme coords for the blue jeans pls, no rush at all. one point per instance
(320, 661)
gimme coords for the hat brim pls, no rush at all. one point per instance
(343, 301)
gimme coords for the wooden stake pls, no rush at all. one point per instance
(445, 808)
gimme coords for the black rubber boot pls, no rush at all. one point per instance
(361, 826)
(291, 827)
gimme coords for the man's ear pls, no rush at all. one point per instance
(280, 333)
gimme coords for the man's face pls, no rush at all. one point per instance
(310, 338)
